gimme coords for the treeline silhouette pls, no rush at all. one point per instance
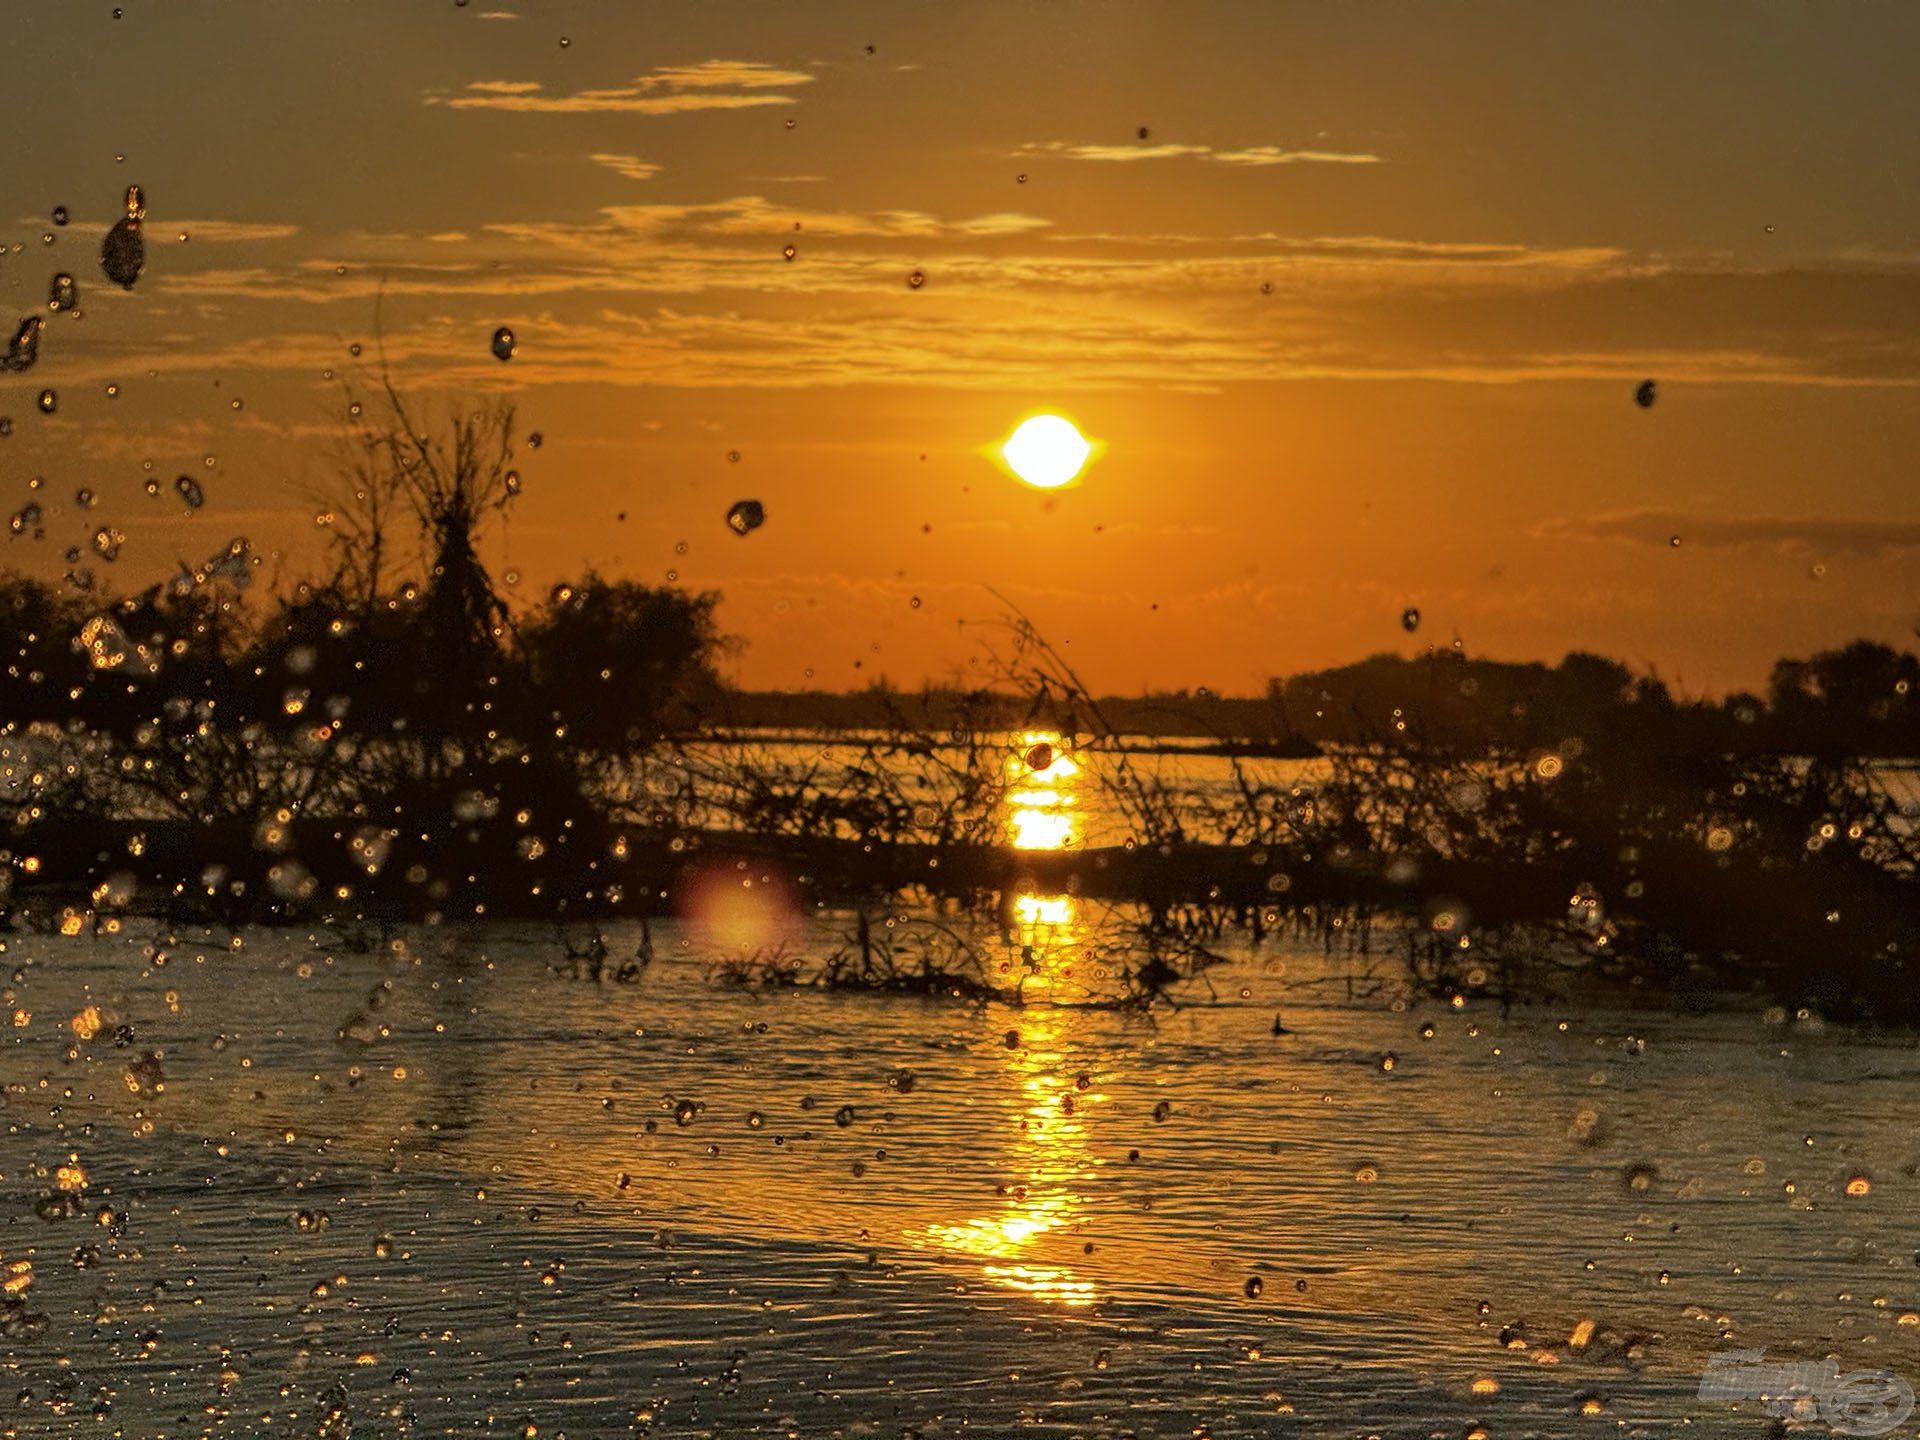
(384, 735)
(1861, 700)
(388, 738)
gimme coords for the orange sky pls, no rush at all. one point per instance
(1358, 321)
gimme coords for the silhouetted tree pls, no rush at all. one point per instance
(618, 665)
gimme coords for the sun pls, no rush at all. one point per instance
(1047, 451)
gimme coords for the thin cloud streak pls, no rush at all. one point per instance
(1252, 156)
(1867, 538)
(665, 90)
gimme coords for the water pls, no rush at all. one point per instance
(888, 1216)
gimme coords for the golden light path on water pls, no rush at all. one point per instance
(1051, 1149)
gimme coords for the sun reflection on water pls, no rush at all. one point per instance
(1051, 1155)
(1050, 1151)
(1042, 803)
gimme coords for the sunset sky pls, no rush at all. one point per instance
(1358, 322)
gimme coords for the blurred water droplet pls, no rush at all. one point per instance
(1410, 619)
(123, 254)
(59, 214)
(49, 402)
(505, 347)
(24, 348)
(190, 491)
(916, 279)
(62, 293)
(746, 516)
(1645, 393)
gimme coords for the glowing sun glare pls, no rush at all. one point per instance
(1047, 451)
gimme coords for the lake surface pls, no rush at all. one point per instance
(449, 1192)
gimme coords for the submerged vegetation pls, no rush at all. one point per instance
(389, 738)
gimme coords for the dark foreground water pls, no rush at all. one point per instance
(434, 1189)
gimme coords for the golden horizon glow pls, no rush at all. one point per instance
(1047, 451)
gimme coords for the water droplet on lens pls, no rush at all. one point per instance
(62, 293)
(1410, 619)
(190, 491)
(916, 279)
(123, 254)
(59, 214)
(746, 516)
(1254, 1286)
(49, 402)
(504, 345)
(24, 348)
(1645, 393)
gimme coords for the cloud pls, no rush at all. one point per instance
(758, 217)
(223, 232)
(1004, 222)
(1117, 154)
(205, 232)
(1252, 155)
(665, 90)
(1867, 538)
(1274, 155)
(724, 74)
(631, 166)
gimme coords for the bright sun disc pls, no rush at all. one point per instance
(1046, 451)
